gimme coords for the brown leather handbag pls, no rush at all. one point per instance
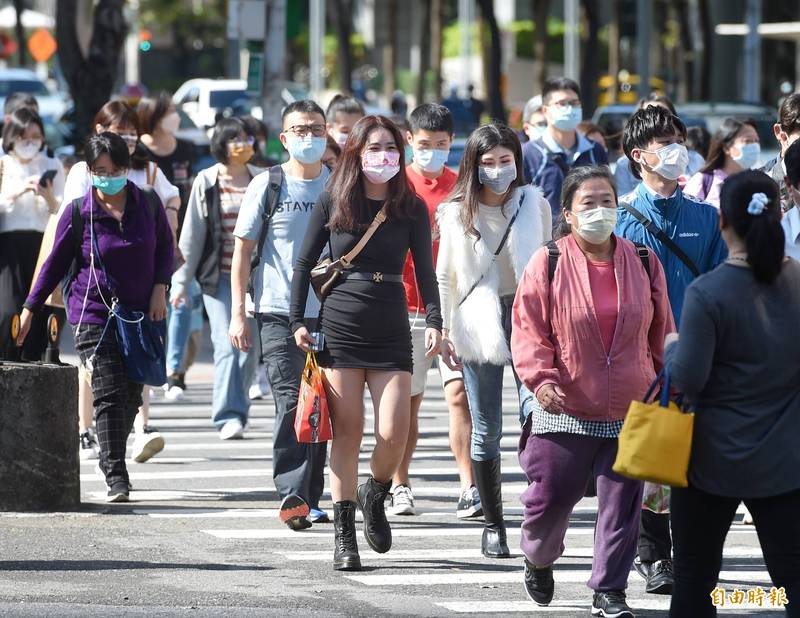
(327, 271)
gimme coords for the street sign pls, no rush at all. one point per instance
(42, 45)
(255, 73)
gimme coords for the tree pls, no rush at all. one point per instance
(590, 68)
(437, 8)
(540, 10)
(91, 77)
(343, 18)
(424, 50)
(707, 34)
(494, 87)
(19, 5)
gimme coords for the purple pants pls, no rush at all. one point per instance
(558, 466)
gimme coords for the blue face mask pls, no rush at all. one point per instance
(749, 154)
(109, 185)
(567, 118)
(308, 149)
(431, 160)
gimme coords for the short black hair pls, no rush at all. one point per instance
(660, 99)
(16, 125)
(17, 100)
(789, 114)
(559, 83)
(226, 130)
(791, 159)
(345, 105)
(304, 106)
(644, 126)
(431, 117)
(107, 143)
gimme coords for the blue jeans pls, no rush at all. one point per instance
(484, 385)
(233, 370)
(182, 321)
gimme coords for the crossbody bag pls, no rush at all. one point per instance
(327, 271)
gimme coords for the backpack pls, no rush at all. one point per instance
(553, 253)
(153, 204)
(269, 205)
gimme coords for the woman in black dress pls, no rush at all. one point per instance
(365, 322)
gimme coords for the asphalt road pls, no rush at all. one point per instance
(201, 538)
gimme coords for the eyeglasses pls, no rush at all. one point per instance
(301, 130)
(567, 103)
(239, 143)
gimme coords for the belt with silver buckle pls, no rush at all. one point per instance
(375, 277)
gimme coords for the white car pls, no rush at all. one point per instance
(51, 105)
(202, 99)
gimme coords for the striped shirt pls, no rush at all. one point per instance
(230, 200)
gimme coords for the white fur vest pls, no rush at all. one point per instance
(475, 326)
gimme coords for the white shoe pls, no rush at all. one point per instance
(748, 518)
(255, 392)
(232, 430)
(147, 444)
(175, 393)
(90, 449)
(402, 501)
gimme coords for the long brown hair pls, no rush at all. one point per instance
(467, 188)
(349, 199)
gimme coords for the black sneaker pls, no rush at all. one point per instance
(661, 579)
(294, 512)
(539, 584)
(469, 504)
(611, 604)
(119, 492)
(642, 568)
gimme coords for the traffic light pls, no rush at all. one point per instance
(145, 40)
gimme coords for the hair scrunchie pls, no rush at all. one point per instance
(758, 202)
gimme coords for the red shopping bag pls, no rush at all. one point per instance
(312, 422)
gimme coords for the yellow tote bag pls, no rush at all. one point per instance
(656, 439)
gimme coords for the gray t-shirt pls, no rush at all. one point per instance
(284, 237)
(738, 359)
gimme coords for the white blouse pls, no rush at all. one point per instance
(79, 181)
(29, 211)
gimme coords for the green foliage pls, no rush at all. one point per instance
(188, 21)
(451, 39)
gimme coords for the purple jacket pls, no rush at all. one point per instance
(137, 253)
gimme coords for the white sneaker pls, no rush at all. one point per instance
(147, 444)
(175, 393)
(90, 449)
(747, 520)
(232, 430)
(402, 501)
(255, 392)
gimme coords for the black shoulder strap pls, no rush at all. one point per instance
(153, 201)
(272, 195)
(644, 256)
(553, 253)
(77, 226)
(661, 236)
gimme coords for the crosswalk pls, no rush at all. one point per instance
(222, 493)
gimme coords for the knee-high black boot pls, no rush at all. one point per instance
(487, 479)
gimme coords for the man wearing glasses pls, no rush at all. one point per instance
(561, 147)
(297, 468)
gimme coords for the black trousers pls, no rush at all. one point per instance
(654, 540)
(116, 398)
(18, 254)
(296, 468)
(700, 523)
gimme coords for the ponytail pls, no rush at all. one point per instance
(751, 204)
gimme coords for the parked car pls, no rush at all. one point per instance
(202, 99)
(51, 105)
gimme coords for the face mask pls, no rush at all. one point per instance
(497, 179)
(595, 225)
(535, 131)
(109, 185)
(28, 150)
(567, 118)
(240, 154)
(408, 153)
(380, 167)
(748, 155)
(171, 122)
(340, 138)
(308, 149)
(431, 160)
(672, 161)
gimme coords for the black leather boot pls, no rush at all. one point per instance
(370, 497)
(487, 480)
(345, 554)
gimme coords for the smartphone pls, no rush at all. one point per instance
(319, 342)
(47, 177)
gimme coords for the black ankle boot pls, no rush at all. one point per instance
(345, 554)
(487, 479)
(370, 497)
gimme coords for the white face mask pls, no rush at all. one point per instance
(27, 150)
(171, 123)
(595, 225)
(340, 138)
(672, 161)
(431, 160)
(497, 179)
(748, 155)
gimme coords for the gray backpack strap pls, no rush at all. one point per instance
(269, 205)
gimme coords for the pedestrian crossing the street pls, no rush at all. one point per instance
(223, 493)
